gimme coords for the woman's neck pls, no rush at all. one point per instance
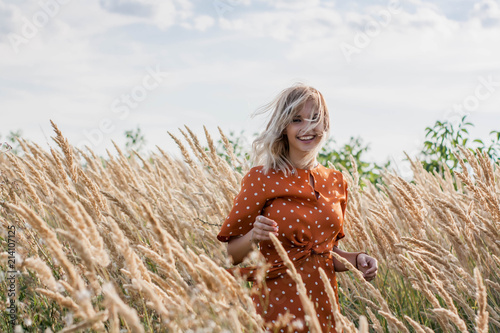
(307, 165)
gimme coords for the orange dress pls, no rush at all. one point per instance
(310, 222)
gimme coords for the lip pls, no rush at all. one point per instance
(307, 141)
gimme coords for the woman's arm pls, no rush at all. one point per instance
(349, 256)
(363, 262)
(238, 248)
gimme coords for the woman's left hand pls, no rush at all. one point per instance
(367, 265)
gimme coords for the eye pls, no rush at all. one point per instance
(296, 120)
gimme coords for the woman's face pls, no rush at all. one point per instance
(300, 143)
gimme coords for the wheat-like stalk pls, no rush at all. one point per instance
(129, 242)
(306, 302)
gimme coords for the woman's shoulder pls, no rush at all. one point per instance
(255, 173)
(260, 172)
(331, 172)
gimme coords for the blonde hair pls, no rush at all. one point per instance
(270, 149)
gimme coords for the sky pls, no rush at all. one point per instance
(387, 69)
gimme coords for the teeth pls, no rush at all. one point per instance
(306, 138)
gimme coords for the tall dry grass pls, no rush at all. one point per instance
(128, 243)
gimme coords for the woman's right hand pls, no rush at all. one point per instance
(262, 227)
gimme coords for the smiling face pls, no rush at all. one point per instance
(301, 141)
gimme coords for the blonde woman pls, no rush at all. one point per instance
(290, 194)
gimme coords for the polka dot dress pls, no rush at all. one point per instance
(310, 221)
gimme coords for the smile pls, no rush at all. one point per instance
(307, 138)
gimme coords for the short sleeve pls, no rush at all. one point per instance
(343, 205)
(247, 205)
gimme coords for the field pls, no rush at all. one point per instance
(127, 244)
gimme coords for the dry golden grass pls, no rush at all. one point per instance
(128, 243)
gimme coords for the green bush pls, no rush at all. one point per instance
(443, 139)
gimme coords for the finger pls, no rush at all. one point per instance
(368, 277)
(362, 260)
(261, 235)
(266, 220)
(265, 234)
(261, 226)
(267, 228)
(268, 237)
(371, 270)
(370, 274)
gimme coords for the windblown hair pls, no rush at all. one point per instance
(270, 149)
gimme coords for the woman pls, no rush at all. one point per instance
(303, 203)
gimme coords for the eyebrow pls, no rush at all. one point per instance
(299, 116)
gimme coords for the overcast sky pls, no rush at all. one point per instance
(387, 69)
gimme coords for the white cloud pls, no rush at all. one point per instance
(286, 25)
(420, 64)
(488, 12)
(163, 14)
(293, 4)
(200, 23)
